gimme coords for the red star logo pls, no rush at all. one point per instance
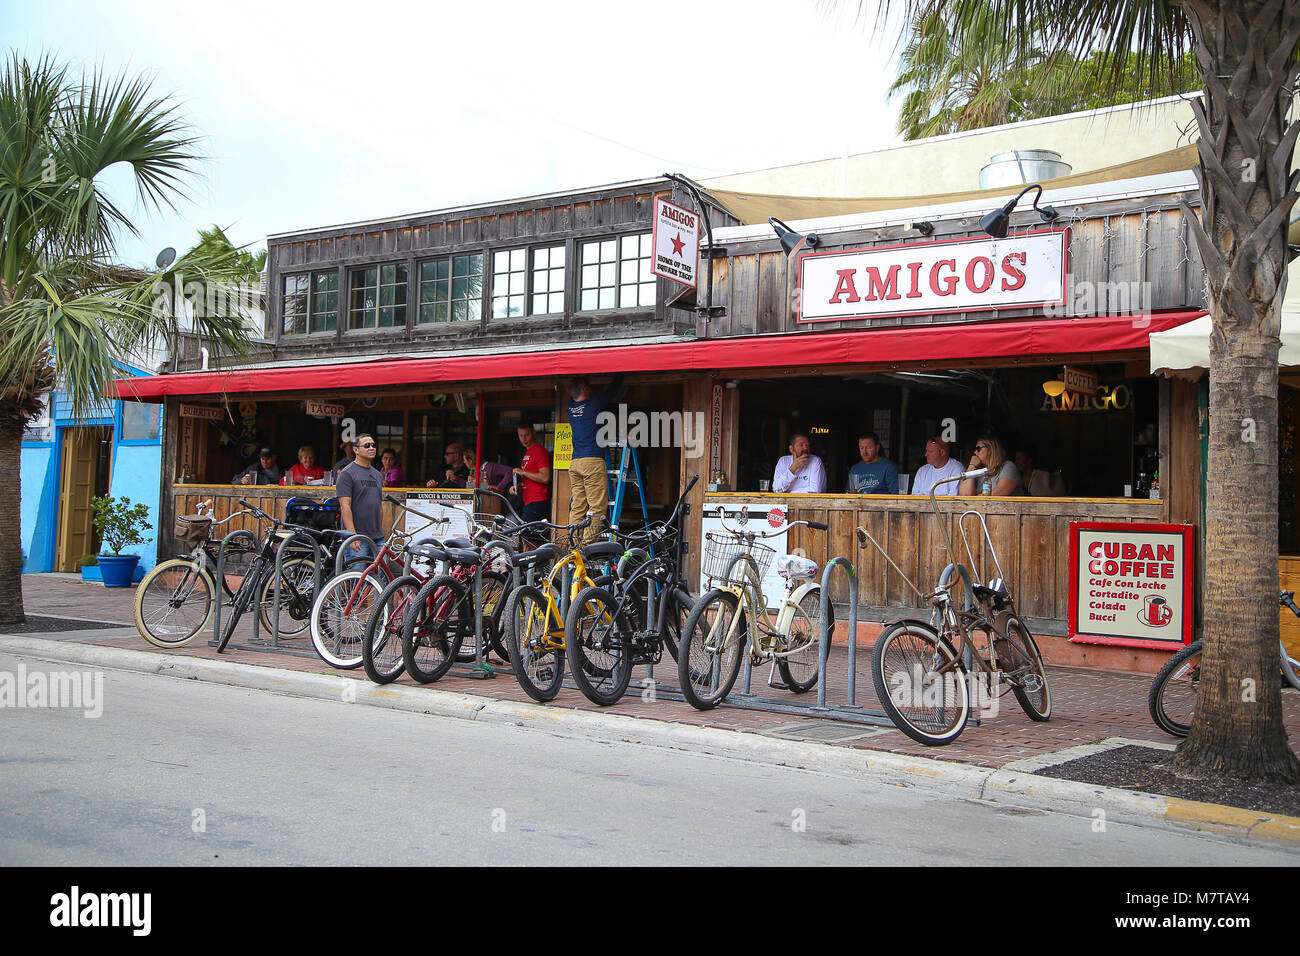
(678, 244)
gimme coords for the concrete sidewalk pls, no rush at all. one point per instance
(1087, 705)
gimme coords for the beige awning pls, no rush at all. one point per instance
(754, 208)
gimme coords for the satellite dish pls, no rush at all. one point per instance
(166, 258)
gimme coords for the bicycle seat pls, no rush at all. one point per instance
(795, 567)
(457, 543)
(428, 552)
(603, 549)
(463, 556)
(543, 555)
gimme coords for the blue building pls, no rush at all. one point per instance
(66, 462)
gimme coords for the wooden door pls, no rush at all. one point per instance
(81, 476)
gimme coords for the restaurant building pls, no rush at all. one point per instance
(904, 318)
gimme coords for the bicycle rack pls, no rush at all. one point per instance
(221, 576)
(848, 712)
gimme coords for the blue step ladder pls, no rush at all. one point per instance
(620, 478)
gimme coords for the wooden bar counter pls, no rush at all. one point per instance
(1032, 537)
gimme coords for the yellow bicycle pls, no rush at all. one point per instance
(534, 615)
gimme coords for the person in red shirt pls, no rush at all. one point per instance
(534, 475)
(306, 469)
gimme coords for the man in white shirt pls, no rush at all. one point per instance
(800, 472)
(937, 467)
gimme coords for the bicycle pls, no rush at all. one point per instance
(341, 614)
(608, 631)
(534, 618)
(296, 580)
(734, 611)
(1172, 697)
(175, 600)
(922, 670)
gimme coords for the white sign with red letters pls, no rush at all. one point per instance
(966, 275)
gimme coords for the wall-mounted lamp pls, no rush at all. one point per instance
(923, 226)
(995, 223)
(791, 240)
(1054, 387)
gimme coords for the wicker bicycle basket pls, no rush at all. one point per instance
(720, 549)
(192, 530)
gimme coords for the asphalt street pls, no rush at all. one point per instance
(187, 772)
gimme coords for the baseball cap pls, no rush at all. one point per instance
(265, 453)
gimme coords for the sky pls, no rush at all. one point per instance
(314, 114)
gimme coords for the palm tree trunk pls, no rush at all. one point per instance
(1246, 50)
(11, 538)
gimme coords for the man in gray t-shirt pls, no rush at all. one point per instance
(360, 490)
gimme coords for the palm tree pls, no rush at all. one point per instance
(69, 314)
(959, 75)
(1246, 58)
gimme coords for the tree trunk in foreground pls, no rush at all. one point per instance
(1246, 51)
(11, 538)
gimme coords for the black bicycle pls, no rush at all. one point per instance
(611, 629)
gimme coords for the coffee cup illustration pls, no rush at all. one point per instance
(1155, 612)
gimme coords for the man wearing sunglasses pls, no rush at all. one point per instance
(360, 491)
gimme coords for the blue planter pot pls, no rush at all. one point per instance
(118, 570)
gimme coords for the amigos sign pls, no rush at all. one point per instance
(965, 275)
(1130, 584)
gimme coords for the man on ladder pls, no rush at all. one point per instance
(588, 478)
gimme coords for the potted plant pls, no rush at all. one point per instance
(119, 524)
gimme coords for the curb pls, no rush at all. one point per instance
(1005, 786)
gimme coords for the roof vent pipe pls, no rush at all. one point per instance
(1016, 167)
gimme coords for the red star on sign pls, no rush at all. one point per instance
(678, 244)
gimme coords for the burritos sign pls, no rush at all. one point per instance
(965, 275)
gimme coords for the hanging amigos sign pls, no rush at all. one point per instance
(964, 275)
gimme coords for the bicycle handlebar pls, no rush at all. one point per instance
(722, 516)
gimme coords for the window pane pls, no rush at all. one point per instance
(589, 299)
(294, 305)
(607, 298)
(139, 421)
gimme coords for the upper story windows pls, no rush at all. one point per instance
(512, 283)
(451, 289)
(378, 296)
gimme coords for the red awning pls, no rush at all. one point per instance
(810, 350)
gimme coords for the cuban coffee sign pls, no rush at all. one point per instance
(964, 275)
(1131, 584)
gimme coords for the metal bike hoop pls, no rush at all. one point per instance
(221, 577)
(978, 566)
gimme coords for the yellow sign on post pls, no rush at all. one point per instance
(563, 446)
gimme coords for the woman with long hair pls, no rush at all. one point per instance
(1003, 477)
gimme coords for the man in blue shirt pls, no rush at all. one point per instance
(588, 478)
(873, 475)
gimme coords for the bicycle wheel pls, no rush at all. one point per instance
(381, 645)
(798, 667)
(597, 643)
(173, 603)
(921, 683)
(1172, 699)
(1290, 667)
(1021, 666)
(253, 578)
(297, 589)
(494, 586)
(536, 655)
(440, 615)
(670, 629)
(339, 617)
(713, 642)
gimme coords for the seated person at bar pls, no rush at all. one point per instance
(306, 469)
(456, 473)
(264, 471)
(390, 470)
(349, 455)
(873, 475)
(1003, 477)
(937, 467)
(1036, 482)
(800, 472)
(498, 476)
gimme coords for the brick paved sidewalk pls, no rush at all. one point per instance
(1087, 705)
